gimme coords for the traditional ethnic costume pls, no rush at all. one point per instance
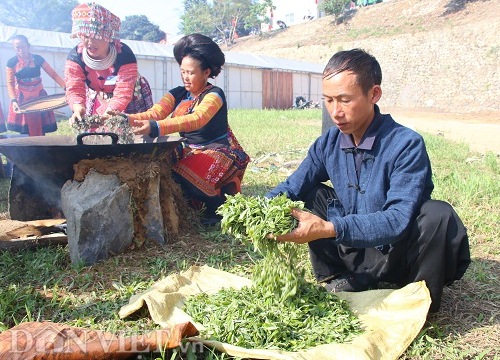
(211, 157)
(387, 227)
(112, 83)
(24, 83)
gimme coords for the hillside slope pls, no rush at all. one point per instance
(436, 55)
(315, 40)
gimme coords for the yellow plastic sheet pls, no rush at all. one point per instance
(391, 318)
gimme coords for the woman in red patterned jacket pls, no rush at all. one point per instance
(101, 72)
(24, 83)
(211, 159)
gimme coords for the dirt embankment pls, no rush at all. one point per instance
(316, 40)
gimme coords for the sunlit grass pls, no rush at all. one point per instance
(41, 284)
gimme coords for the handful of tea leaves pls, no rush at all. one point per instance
(251, 219)
(281, 310)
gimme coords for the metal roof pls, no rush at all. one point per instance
(268, 62)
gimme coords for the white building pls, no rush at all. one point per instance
(293, 12)
(249, 81)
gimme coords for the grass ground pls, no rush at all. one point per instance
(43, 285)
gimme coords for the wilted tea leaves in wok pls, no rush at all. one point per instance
(280, 310)
(117, 124)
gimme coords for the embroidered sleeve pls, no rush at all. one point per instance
(75, 84)
(159, 111)
(124, 88)
(55, 76)
(201, 115)
(11, 83)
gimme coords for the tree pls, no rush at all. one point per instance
(333, 7)
(138, 27)
(197, 18)
(258, 14)
(191, 4)
(223, 19)
(52, 15)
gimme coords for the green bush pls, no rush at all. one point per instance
(333, 7)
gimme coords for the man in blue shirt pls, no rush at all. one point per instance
(377, 222)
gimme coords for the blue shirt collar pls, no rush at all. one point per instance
(368, 139)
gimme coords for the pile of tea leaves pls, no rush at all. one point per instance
(117, 124)
(280, 310)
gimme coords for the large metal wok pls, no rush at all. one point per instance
(42, 164)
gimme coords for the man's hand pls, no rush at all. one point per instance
(310, 228)
(78, 112)
(141, 127)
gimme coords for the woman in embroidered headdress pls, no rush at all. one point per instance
(24, 83)
(101, 72)
(211, 160)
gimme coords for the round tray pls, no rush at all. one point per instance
(45, 103)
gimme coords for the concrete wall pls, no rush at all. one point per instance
(453, 69)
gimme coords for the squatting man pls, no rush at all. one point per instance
(376, 223)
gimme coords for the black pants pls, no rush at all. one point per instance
(436, 250)
(191, 192)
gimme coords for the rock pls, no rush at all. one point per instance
(99, 217)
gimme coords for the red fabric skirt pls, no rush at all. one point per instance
(211, 169)
(34, 124)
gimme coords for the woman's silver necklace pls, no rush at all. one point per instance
(102, 64)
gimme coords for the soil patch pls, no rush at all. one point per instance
(480, 131)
